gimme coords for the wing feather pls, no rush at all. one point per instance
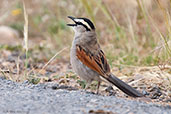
(97, 62)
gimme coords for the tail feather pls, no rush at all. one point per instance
(124, 87)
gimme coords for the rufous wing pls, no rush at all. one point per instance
(96, 62)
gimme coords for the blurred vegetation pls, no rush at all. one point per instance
(135, 32)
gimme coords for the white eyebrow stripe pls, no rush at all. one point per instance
(83, 22)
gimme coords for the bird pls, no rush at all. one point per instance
(89, 61)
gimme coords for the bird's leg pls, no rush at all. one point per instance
(98, 86)
(87, 85)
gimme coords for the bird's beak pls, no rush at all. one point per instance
(72, 18)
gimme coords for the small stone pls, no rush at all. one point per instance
(145, 92)
(109, 89)
(9, 35)
(54, 87)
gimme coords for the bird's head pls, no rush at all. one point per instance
(81, 24)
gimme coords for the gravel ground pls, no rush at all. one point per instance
(25, 98)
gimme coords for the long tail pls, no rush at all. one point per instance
(123, 86)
